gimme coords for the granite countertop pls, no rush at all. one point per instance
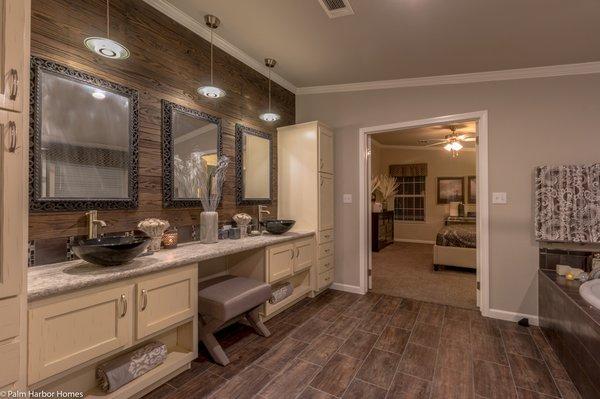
(59, 278)
(571, 290)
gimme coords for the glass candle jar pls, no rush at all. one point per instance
(169, 239)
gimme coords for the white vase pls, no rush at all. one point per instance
(209, 227)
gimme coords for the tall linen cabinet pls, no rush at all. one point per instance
(305, 189)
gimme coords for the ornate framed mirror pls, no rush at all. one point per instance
(254, 166)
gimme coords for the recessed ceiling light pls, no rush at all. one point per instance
(270, 116)
(211, 91)
(104, 46)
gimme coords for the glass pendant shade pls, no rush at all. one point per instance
(104, 46)
(269, 117)
(448, 147)
(211, 91)
(456, 146)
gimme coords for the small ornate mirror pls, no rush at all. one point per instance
(254, 164)
(84, 139)
(186, 133)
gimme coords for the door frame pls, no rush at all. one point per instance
(482, 206)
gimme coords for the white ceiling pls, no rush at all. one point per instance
(411, 137)
(396, 39)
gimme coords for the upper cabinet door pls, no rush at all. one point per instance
(12, 204)
(325, 150)
(12, 32)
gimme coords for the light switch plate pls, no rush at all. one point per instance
(347, 198)
(499, 198)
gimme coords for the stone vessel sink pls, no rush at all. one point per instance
(111, 251)
(590, 291)
(278, 226)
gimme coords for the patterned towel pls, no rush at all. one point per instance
(281, 292)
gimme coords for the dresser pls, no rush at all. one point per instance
(382, 229)
(305, 190)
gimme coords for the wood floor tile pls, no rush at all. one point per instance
(239, 360)
(393, 340)
(246, 384)
(343, 327)
(520, 344)
(453, 355)
(196, 368)
(164, 391)
(374, 322)
(506, 325)
(379, 368)
(292, 381)
(490, 348)
(527, 394)
(359, 344)
(493, 381)
(532, 374)
(200, 387)
(567, 389)
(321, 349)
(278, 334)
(301, 315)
(362, 390)
(330, 312)
(310, 330)
(431, 313)
(345, 300)
(277, 358)
(404, 319)
(456, 330)
(426, 335)
(312, 393)
(358, 309)
(484, 325)
(458, 314)
(410, 305)
(409, 387)
(336, 375)
(452, 383)
(387, 305)
(418, 361)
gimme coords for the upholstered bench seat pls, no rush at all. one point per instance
(225, 298)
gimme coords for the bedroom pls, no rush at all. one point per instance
(423, 221)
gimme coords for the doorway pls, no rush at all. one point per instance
(424, 250)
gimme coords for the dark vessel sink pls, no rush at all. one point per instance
(278, 226)
(111, 251)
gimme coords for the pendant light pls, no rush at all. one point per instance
(104, 46)
(270, 116)
(211, 91)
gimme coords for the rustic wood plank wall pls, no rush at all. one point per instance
(167, 62)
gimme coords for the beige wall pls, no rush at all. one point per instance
(531, 122)
(439, 164)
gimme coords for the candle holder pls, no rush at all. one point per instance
(169, 239)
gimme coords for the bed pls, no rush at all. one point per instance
(456, 245)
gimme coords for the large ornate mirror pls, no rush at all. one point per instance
(83, 138)
(254, 165)
(188, 135)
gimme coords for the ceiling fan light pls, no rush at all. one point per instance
(211, 91)
(269, 117)
(456, 146)
(448, 147)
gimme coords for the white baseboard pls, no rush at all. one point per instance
(414, 241)
(347, 288)
(512, 316)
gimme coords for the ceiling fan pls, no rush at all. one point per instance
(452, 142)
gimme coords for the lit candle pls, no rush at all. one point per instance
(169, 239)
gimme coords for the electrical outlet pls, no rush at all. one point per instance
(499, 198)
(347, 198)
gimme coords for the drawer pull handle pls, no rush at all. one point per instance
(12, 130)
(297, 253)
(292, 254)
(124, 304)
(322, 163)
(14, 88)
(144, 299)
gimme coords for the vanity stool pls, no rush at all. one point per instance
(221, 301)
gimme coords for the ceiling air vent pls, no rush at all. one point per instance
(336, 8)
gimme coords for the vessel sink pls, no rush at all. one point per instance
(590, 291)
(278, 226)
(111, 251)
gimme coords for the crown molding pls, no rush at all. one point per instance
(201, 30)
(477, 77)
(419, 148)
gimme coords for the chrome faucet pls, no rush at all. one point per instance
(93, 223)
(262, 210)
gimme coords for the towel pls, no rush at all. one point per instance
(281, 292)
(115, 373)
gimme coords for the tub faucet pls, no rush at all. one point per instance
(262, 210)
(93, 223)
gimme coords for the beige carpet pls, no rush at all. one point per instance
(406, 270)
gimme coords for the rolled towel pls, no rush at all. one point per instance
(115, 373)
(281, 292)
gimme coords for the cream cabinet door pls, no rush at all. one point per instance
(280, 260)
(79, 328)
(12, 209)
(11, 53)
(9, 366)
(325, 150)
(303, 254)
(165, 300)
(325, 202)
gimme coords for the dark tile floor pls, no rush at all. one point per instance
(373, 346)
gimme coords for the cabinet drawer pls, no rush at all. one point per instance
(165, 300)
(9, 318)
(325, 250)
(280, 261)
(325, 236)
(304, 253)
(9, 366)
(324, 279)
(78, 328)
(325, 264)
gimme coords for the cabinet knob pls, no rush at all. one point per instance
(144, 299)
(14, 87)
(124, 305)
